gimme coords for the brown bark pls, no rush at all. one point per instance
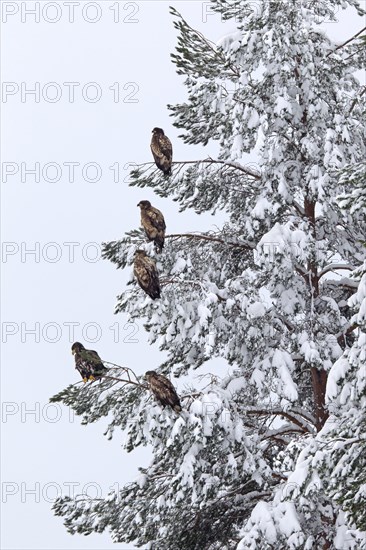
(318, 377)
(319, 382)
(309, 208)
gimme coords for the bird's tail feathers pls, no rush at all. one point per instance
(159, 245)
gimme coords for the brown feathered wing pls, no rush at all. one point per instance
(154, 225)
(164, 392)
(147, 275)
(88, 363)
(162, 150)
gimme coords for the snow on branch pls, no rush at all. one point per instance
(94, 400)
(209, 160)
(336, 267)
(287, 429)
(295, 418)
(345, 332)
(247, 246)
(345, 282)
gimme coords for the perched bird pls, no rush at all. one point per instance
(144, 269)
(87, 362)
(163, 390)
(152, 220)
(162, 150)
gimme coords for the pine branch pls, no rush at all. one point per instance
(346, 42)
(211, 45)
(191, 395)
(344, 282)
(164, 282)
(234, 165)
(302, 271)
(305, 414)
(293, 417)
(283, 431)
(208, 238)
(356, 99)
(122, 380)
(299, 209)
(345, 332)
(287, 323)
(336, 267)
(127, 371)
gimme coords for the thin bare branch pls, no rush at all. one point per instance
(122, 380)
(127, 371)
(346, 42)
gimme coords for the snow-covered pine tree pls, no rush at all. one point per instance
(255, 459)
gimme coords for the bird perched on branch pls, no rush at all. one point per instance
(144, 269)
(162, 150)
(163, 390)
(152, 220)
(87, 362)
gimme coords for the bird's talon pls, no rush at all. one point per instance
(86, 362)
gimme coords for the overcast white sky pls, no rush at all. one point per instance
(63, 286)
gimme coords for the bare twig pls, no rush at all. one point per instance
(122, 380)
(127, 371)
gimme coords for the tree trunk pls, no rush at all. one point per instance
(319, 382)
(318, 377)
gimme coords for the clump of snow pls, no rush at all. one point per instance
(255, 310)
(179, 266)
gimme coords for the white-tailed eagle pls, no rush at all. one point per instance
(144, 269)
(152, 220)
(87, 362)
(162, 150)
(163, 390)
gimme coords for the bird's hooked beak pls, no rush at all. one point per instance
(73, 351)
